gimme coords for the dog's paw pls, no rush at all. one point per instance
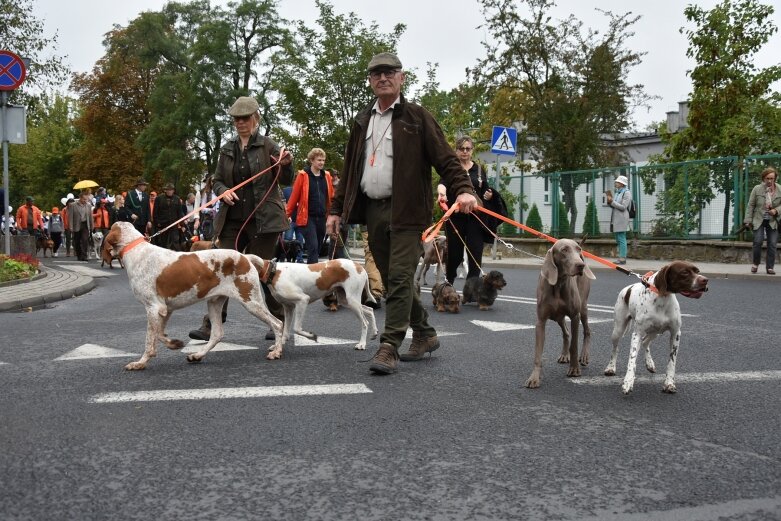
(583, 360)
(360, 347)
(650, 366)
(669, 388)
(627, 387)
(175, 344)
(532, 383)
(574, 372)
(274, 354)
(135, 366)
(563, 358)
(195, 358)
(610, 370)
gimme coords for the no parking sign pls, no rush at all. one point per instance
(12, 71)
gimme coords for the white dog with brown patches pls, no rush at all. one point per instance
(654, 310)
(164, 280)
(295, 285)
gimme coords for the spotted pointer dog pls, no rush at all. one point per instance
(654, 310)
(295, 285)
(164, 280)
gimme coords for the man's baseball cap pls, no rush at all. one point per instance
(384, 60)
(244, 106)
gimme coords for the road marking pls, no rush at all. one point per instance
(501, 326)
(86, 351)
(509, 326)
(195, 345)
(747, 376)
(229, 392)
(704, 512)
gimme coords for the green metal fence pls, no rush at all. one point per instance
(702, 199)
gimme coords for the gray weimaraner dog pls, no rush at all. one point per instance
(562, 291)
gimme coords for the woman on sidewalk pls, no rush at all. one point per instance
(619, 216)
(762, 215)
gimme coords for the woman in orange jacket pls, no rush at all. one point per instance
(311, 197)
(102, 217)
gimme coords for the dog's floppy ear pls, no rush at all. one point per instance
(550, 271)
(660, 281)
(586, 270)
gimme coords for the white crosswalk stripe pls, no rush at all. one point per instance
(229, 392)
(746, 376)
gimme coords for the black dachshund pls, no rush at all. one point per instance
(483, 290)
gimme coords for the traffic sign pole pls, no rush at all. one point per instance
(6, 195)
(503, 143)
(13, 72)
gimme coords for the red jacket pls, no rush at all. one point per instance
(300, 197)
(101, 217)
(21, 218)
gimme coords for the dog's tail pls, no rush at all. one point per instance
(367, 293)
(256, 261)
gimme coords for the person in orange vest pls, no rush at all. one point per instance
(311, 198)
(29, 220)
(101, 217)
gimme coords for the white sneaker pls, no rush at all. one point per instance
(55, 253)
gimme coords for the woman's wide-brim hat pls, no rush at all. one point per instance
(623, 180)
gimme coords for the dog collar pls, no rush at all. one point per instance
(645, 280)
(269, 268)
(130, 246)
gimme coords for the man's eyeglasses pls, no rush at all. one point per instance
(376, 75)
(465, 149)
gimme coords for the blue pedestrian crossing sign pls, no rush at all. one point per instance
(503, 141)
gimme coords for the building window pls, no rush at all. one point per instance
(546, 191)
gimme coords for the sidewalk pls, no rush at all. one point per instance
(60, 283)
(57, 283)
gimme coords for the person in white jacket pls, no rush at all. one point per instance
(619, 217)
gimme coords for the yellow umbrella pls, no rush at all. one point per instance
(85, 184)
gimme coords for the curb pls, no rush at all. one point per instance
(55, 286)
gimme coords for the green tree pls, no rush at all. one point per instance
(733, 110)
(569, 86)
(40, 167)
(321, 79)
(591, 220)
(458, 111)
(23, 34)
(533, 221)
(113, 112)
(206, 57)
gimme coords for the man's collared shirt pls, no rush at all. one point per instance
(377, 179)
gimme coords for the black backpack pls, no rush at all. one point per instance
(632, 210)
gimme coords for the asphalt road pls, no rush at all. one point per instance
(456, 436)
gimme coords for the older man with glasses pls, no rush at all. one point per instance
(386, 184)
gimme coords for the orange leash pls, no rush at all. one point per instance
(433, 231)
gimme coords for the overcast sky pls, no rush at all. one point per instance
(444, 32)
